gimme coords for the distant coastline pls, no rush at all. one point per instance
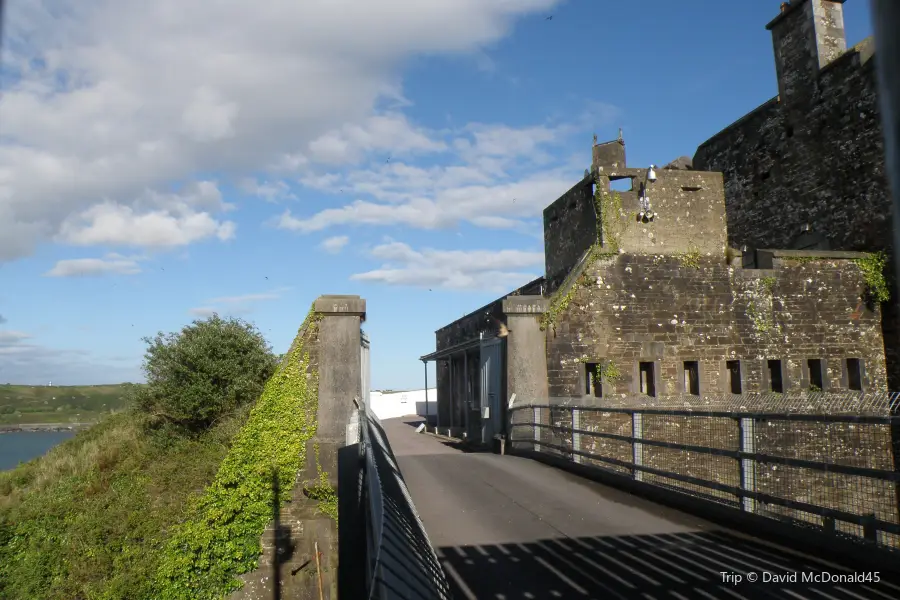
(36, 427)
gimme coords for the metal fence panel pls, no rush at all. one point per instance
(365, 378)
(811, 459)
(402, 561)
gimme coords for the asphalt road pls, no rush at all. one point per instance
(510, 528)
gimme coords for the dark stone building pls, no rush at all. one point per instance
(643, 295)
(807, 168)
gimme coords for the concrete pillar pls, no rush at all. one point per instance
(526, 353)
(340, 371)
(526, 349)
(340, 380)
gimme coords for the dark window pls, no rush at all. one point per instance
(816, 375)
(776, 382)
(854, 374)
(624, 184)
(593, 382)
(647, 381)
(733, 367)
(692, 377)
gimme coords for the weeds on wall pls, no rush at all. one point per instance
(221, 538)
(760, 305)
(691, 258)
(608, 208)
(872, 267)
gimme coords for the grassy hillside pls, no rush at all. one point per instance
(60, 404)
(90, 519)
(131, 509)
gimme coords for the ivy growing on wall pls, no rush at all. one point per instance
(872, 267)
(608, 208)
(221, 538)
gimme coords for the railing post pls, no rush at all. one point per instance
(576, 437)
(637, 432)
(537, 429)
(747, 432)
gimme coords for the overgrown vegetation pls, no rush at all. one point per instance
(221, 537)
(872, 267)
(38, 404)
(608, 208)
(120, 510)
(206, 370)
(89, 519)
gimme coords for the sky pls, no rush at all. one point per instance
(160, 161)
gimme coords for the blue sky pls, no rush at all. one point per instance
(159, 161)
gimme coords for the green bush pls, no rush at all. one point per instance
(208, 369)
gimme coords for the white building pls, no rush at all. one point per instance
(389, 404)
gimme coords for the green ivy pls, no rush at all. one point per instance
(872, 267)
(322, 491)
(221, 538)
(768, 284)
(608, 208)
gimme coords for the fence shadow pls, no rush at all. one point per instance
(284, 546)
(677, 565)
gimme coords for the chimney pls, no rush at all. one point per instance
(807, 35)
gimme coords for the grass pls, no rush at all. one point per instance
(34, 404)
(91, 518)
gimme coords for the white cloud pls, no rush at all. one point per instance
(9, 339)
(155, 220)
(111, 264)
(25, 362)
(390, 133)
(490, 270)
(236, 305)
(270, 191)
(504, 204)
(101, 112)
(334, 245)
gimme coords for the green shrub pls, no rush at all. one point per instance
(208, 369)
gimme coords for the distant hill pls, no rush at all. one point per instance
(33, 404)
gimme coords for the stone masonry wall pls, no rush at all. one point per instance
(635, 308)
(818, 160)
(570, 228)
(467, 328)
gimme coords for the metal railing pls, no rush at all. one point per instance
(401, 560)
(808, 467)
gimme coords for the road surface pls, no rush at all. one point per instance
(510, 528)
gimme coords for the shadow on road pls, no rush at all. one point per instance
(678, 565)
(467, 447)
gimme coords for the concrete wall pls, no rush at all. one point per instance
(634, 308)
(388, 405)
